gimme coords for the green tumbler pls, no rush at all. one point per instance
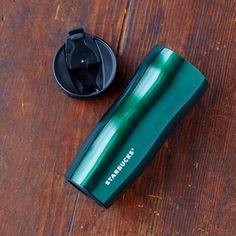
(125, 140)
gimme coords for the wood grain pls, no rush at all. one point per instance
(189, 188)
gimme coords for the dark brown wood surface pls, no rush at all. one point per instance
(189, 188)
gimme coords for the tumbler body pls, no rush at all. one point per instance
(163, 89)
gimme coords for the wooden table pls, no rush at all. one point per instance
(190, 186)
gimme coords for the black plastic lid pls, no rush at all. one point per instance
(84, 66)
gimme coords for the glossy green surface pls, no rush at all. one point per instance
(162, 90)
